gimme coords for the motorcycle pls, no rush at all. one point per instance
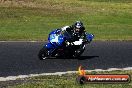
(58, 45)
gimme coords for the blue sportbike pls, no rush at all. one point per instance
(58, 45)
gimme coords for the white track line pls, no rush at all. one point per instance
(9, 78)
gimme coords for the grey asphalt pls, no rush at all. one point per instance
(20, 58)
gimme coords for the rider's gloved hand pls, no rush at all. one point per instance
(69, 43)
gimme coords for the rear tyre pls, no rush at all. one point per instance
(78, 53)
(43, 54)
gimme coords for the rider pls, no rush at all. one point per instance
(74, 34)
(76, 31)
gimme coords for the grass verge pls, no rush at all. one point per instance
(34, 19)
(67, 81)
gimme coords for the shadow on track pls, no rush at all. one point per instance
(87, 57)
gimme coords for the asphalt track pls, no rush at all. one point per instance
(20, 58)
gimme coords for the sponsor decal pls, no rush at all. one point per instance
(101, 78)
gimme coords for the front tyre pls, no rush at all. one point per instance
(43, 54)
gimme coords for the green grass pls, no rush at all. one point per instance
(34, 19)
(69, 81)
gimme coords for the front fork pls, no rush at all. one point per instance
(51, 52)
(50, 49)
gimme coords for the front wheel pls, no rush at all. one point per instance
(43, 54)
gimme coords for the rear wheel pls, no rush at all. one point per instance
(43, 54)
(78, 53)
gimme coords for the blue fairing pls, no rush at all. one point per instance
(89, 37)
(49, 46)
(55, 39)
(60, 40)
